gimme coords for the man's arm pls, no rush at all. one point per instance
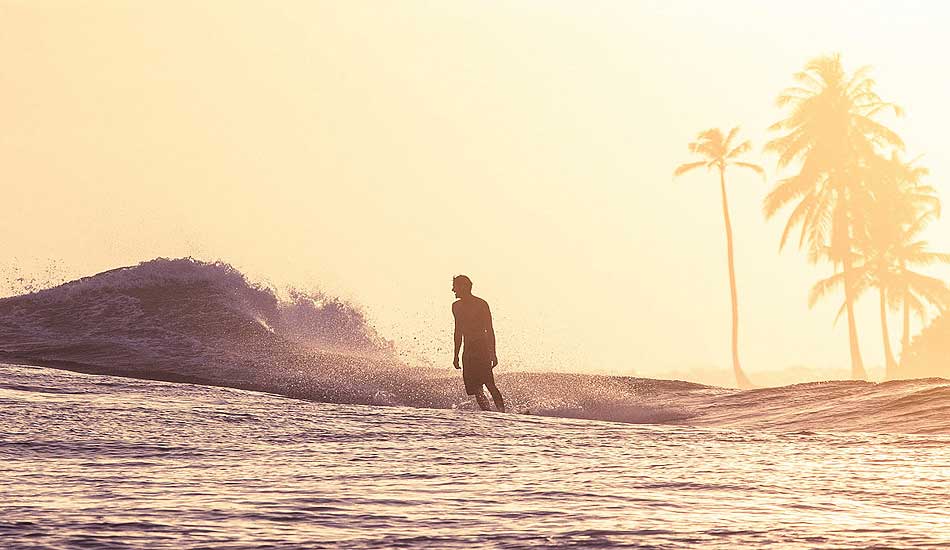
(458, 335)
(491, 337)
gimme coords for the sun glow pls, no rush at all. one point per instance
(376, 150)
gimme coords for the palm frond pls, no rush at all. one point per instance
(841, 310)
(729, 137)
(931, 289)
(806, 77)
(684, 168)
(859, 79)
(877, 132)
(916, 306)
(817, 226)
(917, 255)
(797, 217)
(740, 149)
(754, 167)
(785, 192)
(824, 287)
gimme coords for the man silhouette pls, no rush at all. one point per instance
(473, 325)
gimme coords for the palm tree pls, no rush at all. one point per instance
(911, 290)
(899, 250)
(886, 263)
(830, 134)
(897, 207)
(903, 206)
(719, 152)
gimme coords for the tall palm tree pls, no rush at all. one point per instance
(719, 152)
(830, 134)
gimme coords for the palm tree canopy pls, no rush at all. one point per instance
(889, 266)
(718, 150)
(899, 207)
(832, 114)
(830, 130)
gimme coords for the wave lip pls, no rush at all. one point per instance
(181, 319)
(184, 320)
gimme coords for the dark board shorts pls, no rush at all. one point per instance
(476, 366)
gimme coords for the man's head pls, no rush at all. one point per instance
(461, 286)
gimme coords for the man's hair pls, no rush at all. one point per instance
(463, 282)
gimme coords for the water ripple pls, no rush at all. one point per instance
(86, 463)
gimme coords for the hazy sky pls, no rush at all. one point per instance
(375, 149)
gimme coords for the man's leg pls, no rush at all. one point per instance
(496, 396)
(482, 400)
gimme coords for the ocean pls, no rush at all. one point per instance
(190, 408)
(97, 462)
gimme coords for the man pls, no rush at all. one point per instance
(473, 325)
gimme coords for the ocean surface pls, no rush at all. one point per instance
(184, 320)
(92, 461)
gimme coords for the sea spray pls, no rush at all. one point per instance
(189, 321)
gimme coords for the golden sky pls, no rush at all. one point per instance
(375, 149)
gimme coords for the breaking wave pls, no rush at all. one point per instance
(189, 321)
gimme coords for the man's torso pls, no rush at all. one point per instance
(474, 319)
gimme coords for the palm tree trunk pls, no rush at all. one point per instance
(741, 380)
(843, 234)
(889, 364)
(857, 364)
(905, 337)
